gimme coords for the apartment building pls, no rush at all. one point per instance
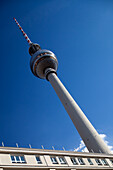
(12, 158)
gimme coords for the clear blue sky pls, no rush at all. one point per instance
(80, 33)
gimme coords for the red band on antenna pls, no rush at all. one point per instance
(24, 34)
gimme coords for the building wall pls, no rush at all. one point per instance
(45, 161)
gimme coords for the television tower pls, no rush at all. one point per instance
(44, 65)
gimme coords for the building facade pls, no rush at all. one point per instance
(27, 158)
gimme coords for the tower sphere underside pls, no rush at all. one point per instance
(41, 60)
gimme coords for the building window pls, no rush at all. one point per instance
(73, 160)
(111, 161)
(62, 160)
(81, 161)
(90, 162)
(98, 162)
(38, 160)
(54, 161)
(104, 161)
(17, 159)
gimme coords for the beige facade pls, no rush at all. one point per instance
(27, 158)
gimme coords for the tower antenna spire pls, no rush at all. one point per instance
(24, 34)
(33, 47)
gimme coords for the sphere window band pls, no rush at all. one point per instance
(39, 60)
(42, 60)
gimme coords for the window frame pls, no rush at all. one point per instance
(111, 160)
(81, 162)
(55, 160)
(18, 159)
(90, 161)
(64, 160)
(104, 162)
(73, 158)
(98, 161)
(38, 161)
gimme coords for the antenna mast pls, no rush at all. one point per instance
(24, 34)
(33, 47)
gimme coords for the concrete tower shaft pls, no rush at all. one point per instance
(44, 65)
(89, 135)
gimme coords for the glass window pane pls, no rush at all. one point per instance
(38, 160)
(54, 161)
(17, 159)
(90, 162)
(12, 159)
(111, 161)
(62, 160)
(74, 161)
(81, 161)
(98, 162)
(104, 161)
(22, 159)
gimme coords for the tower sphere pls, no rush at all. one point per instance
(41, 60)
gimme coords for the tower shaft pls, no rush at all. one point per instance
(89, 135)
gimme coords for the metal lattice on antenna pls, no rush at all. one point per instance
(24, 34)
